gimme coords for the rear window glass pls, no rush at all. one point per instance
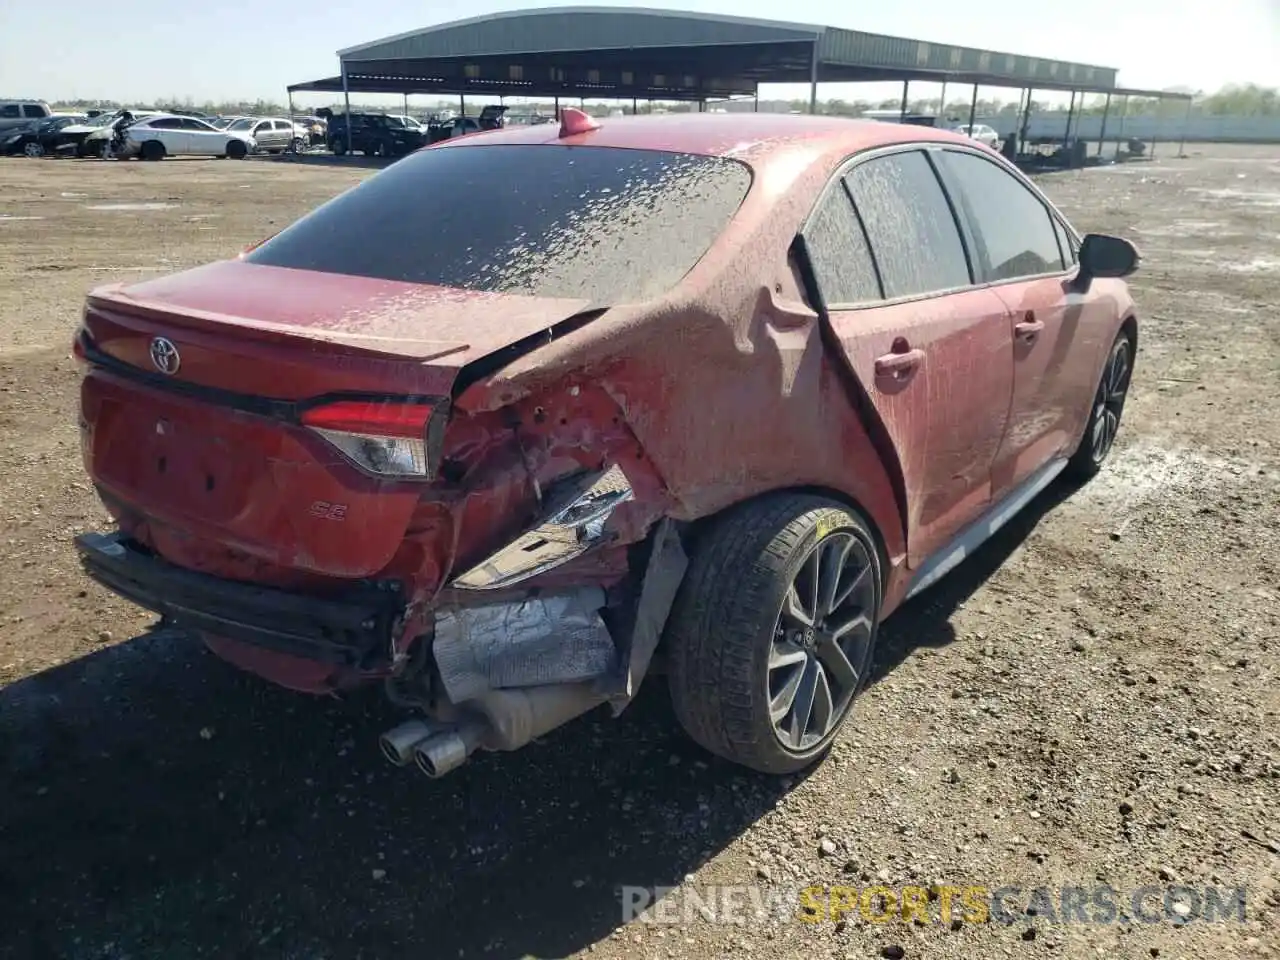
(608, 225)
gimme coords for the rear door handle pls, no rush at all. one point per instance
(1028, 328)
(896, 364)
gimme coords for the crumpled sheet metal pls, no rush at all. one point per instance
(557, 638)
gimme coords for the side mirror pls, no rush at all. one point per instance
(1104, 256)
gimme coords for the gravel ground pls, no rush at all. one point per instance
(1091, 701)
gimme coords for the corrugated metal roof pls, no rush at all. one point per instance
(558, 29)
(843, 55)
(852, 48)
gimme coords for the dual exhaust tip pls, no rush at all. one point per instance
(435, 750)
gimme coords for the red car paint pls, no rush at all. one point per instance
(727, 386)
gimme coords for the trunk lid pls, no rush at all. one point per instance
(208, 457)
(291, 334)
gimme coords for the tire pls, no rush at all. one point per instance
(1105, 410)
(298, 145)
(32, 149)
(104, 151)
(236, 149)
(153, 150)
(731, 621)
(339, 148)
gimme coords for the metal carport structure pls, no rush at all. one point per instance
(631, 53)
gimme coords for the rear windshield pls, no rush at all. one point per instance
(604, 224)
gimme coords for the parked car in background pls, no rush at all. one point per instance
(984, 134)
(38, 137)
(271, 134)
(434, 434)
(491, 118)
(373, 134)
(98, 142)
(411, 123)
(315, 128)
(170, 135)
(16, 113)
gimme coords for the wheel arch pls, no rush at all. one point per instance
(1129, 327)
(697, 528)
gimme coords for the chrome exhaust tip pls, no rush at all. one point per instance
(446, 752)
(397, 743)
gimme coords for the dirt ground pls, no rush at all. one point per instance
(1092, 700)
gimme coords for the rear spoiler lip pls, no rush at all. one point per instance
(422, 351)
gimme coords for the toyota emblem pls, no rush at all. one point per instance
(165, 356)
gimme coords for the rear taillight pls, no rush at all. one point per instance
(383, 437)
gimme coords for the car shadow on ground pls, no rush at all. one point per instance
(329, 160)
(157, 803)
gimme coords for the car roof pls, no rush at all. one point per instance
(749, 136)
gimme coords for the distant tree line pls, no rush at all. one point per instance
(1240, 101)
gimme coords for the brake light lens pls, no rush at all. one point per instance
(384, 437)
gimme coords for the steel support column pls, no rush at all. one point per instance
(346, 100)
(813, 79)
(1026, 122)
(1066, 134)
(973, 108)
(1102, 134)
(1186, 122)
(942, 102)
(906, 86)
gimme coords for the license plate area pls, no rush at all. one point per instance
(161, 455)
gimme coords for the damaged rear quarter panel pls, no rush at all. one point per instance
(725, 383)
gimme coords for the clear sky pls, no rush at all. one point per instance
(136, 50)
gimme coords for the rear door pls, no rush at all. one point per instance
(1020, 250)
(264, 133)
(202, 138)
(929, 349)
(168, 130)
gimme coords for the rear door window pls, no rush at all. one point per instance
(1014, 228)
(35, 111)
(1066, 242)
(605, 224)
(10, 110)
(910, 225)
(838, 252)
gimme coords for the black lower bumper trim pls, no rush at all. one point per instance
(353, 630)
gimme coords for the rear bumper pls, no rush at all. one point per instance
(351, 631)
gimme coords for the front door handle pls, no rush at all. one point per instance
(898, 364)
(1028, 328)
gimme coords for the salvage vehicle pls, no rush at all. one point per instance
(18, 113)
(719, 395)
(104, 139)
(271, 134)
(373, 134)
(492, 117)
(172, 135)
(38, 137)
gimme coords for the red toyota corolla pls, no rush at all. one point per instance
(529, 411)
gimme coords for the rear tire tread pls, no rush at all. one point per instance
(715, 624)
